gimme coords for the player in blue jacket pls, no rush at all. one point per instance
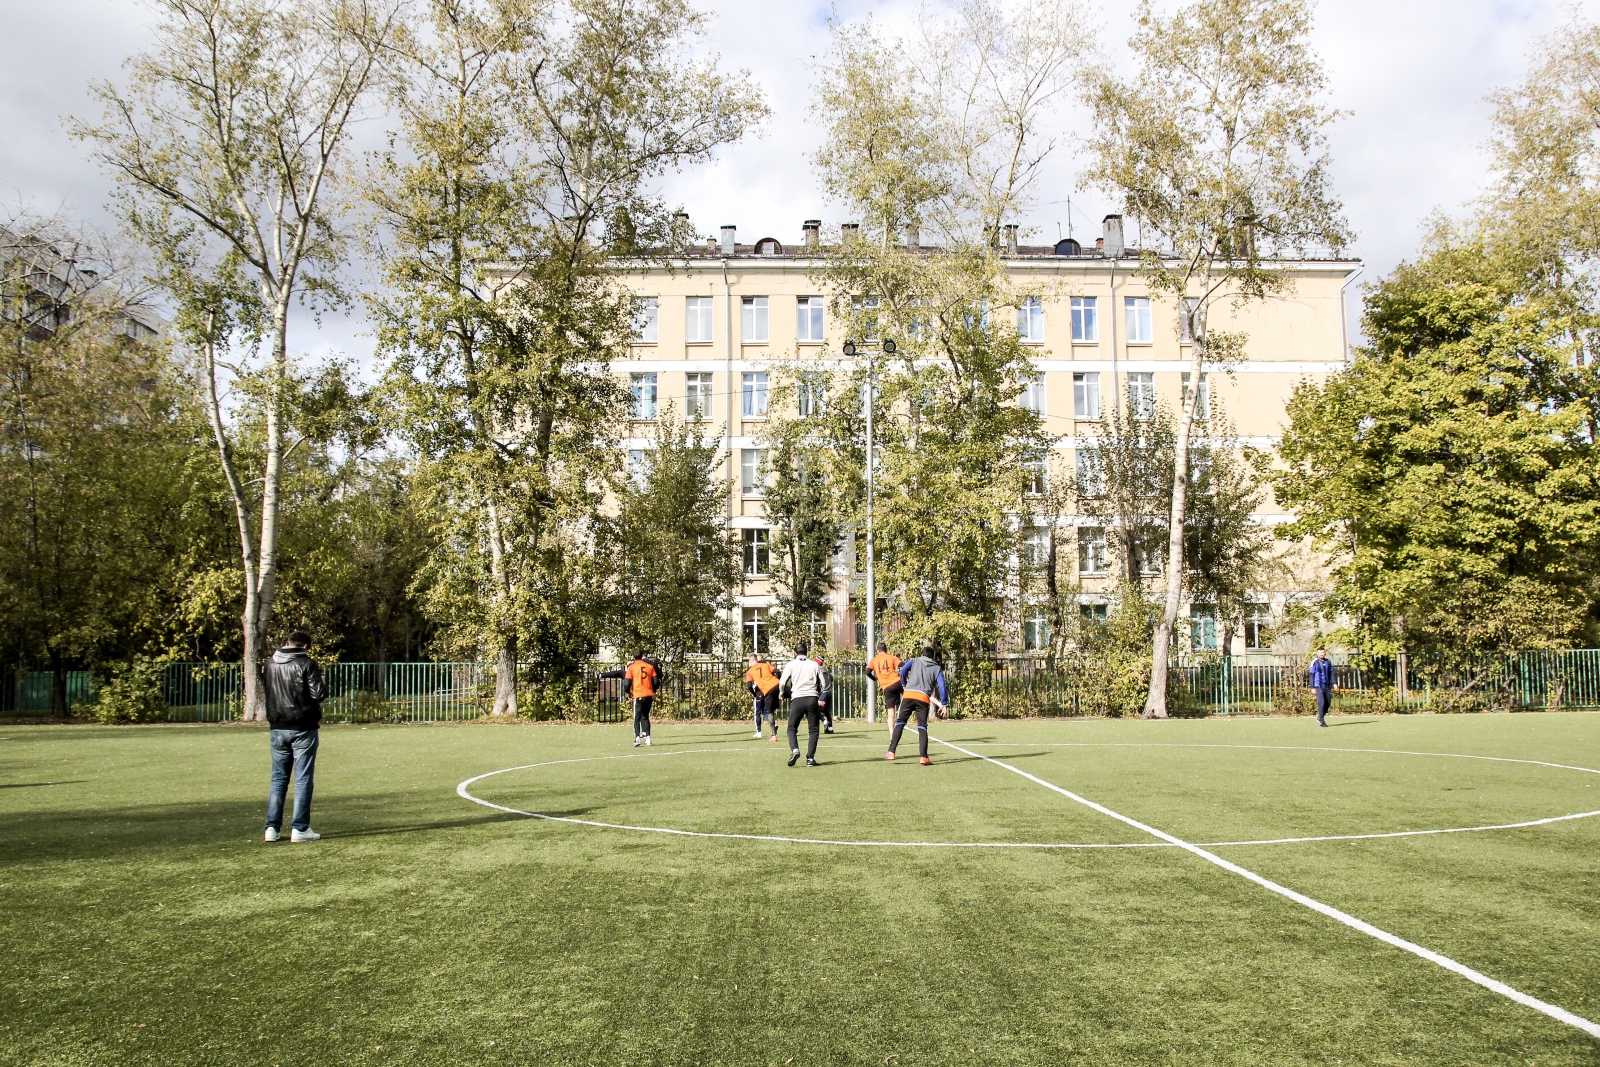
(921, 682)
(1322, 684)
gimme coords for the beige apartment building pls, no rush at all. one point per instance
(718, 322)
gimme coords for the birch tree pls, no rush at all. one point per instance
(226, 143)
(1217, 146)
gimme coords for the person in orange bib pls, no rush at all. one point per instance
(762, 681)
(886, 667)
(642, 677)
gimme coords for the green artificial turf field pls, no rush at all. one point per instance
(144, 920)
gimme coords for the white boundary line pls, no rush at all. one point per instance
(1557, 1013)
(461, 791)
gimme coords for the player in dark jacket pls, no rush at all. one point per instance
(923, 683)
(294, 695)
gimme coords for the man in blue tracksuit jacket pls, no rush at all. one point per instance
(1322, 684)
(921, 679)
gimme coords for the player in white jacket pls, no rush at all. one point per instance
(801, 685)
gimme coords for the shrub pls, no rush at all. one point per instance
(131, 692)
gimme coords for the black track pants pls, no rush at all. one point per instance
(804, 708)
(919, 708)
(641, 716)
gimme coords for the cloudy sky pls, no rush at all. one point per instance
(1411, 74)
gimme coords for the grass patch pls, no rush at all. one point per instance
(146, 922)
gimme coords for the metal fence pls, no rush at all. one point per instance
(1006, 687)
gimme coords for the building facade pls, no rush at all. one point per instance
(718, 321)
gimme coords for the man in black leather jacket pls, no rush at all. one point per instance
(295, 692)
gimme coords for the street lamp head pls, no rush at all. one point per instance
(849, 348)
(888, 348)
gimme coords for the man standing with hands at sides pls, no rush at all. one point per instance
(295, 692)
(921, 680)
(886, 668)
(802, 685)
(1322, 684)
(762, 681)
(642, 678)
(825, 698)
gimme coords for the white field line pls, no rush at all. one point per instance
(461, 791)
(1558, 1013)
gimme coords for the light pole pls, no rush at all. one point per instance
(872, 587)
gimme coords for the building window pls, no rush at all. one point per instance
(1036, 472)
(1091, 473)
(638, 467)
(1086, 395)
(752, 471)
(1035, 548)
(1091, 550)
(643, 387)
(1185, 335)
(1035, 629)
(756, 562)
(1030, 320)
(812, 396)
(1203, 628)
(1258, 626)
(697, 395)
(753, 320)
(1203, 408)
(646, 317)
(1137, 311)
(866, 316)
(1150, 553)
(1095, 613)
(1085, 319)
(1142, 395)
(1033, 394)
(808, 320)
(753, 394)
(697, 320)
(755, 630)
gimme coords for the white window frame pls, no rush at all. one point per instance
(698, 395)
(1141, 395)
(646, 395)
(1035, 547)
(1095, 613)
(699, 320)
(646, 320)
(752, 472)
(1093, 557)
(753, 624)
(1037, 467)
(1091, 476)
(1085, 320)
(1030, 321)
(1188, 303)
(1033, 397)
(1257, 627)
(757, 553)
(638, 464)
(811, 397)
(810, 322)
(1136, 319)
(754, 320)
(755, 394)
(1035, 629)
(1086, 395)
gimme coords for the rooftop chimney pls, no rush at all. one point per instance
(1011, 238)
(812, 228)
(849, 230)
(727, 239)
(1113, 238)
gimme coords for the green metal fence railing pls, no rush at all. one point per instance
(1005, 687)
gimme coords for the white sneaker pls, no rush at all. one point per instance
(637, 741)
(756, 735)
(272, 835)
(307, 834)
(646, 739)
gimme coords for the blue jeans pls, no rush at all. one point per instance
(295, 749)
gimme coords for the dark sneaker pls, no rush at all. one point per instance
(793, 756)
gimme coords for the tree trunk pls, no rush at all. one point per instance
(1155, 701)
(271, 499)
(505, 679)
(58, 684)
(254, 708)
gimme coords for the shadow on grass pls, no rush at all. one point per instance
(35, 785)
(1359, 722)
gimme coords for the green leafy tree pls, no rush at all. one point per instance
(531, 134)
(1453, 466)
(807, 530)
(227, 145)
(673, 564)
(1216, 146)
